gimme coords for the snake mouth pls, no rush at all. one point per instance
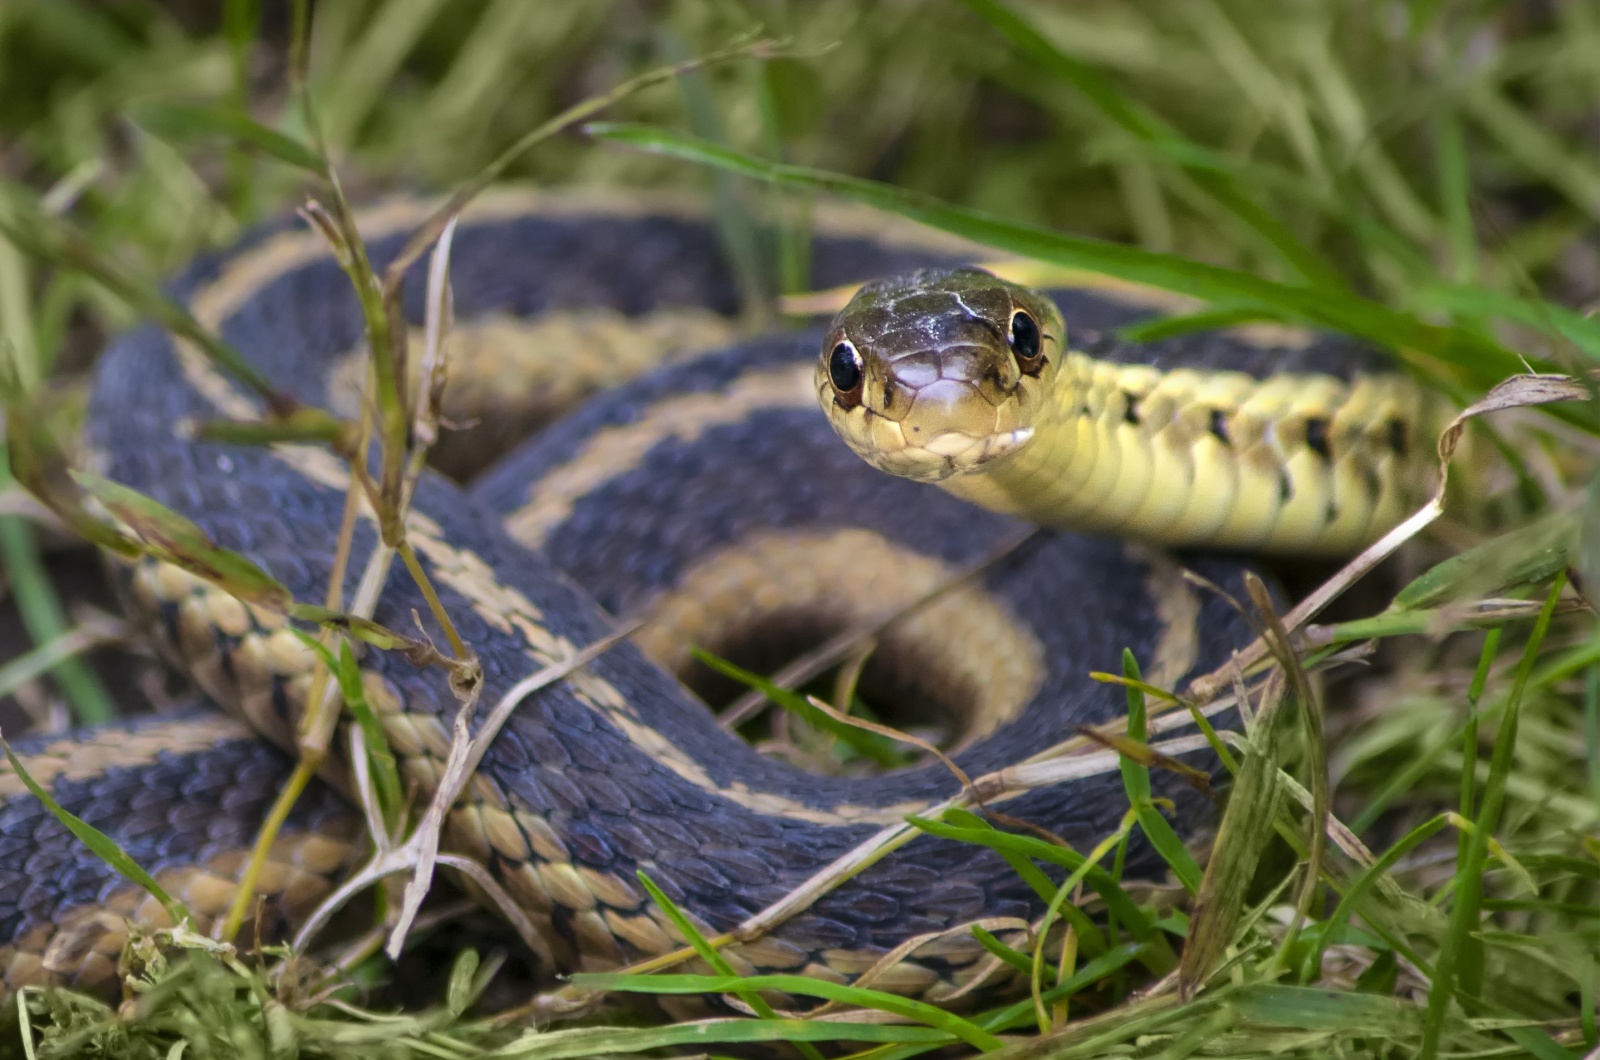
(955, 453)
(890, 446)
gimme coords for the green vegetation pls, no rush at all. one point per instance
(1427, 176)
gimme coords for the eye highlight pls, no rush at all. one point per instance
(1027, 345)
(845, 372)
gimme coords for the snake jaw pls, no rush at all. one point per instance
(954, 453)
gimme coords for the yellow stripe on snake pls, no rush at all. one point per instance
(710, 498)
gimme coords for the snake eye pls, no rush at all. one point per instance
(1026, 343)
(844, 372)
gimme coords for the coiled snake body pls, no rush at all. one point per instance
(711, 498)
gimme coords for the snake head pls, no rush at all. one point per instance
(939, 372)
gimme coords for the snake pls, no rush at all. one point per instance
(698, 491)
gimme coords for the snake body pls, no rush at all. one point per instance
(708, 497)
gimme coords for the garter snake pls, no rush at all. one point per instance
(957, 377)
(708, 497)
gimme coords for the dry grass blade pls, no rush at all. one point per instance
(839, 648)
(1235, 854)
(1316, 748)
(322, 713)
(420, 852)
(901, 737)
(990, 788)
(404, 451)
(20, 504)
(424, 430)
(466, 752)
(1071, 763)
(1137, 752)
(990, 967)
(1051, 767)
(436, 329)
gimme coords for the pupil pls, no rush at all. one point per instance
(1024, 336)
(844, 368)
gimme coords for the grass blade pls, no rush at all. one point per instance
(385, 771)
(880, 749)
(41, 614)
(1468, 879)
(103, 846)
(602, 1041)
(717, 961)
(178, 122)
(54, 240)
(45, 657)
(1136, 783)
(1242, 837)
(920, 1011)
(33, 457)
(1329, 307)
(1020, 1013)
(1098, 879)
(1312, 1009)
(1139, 122)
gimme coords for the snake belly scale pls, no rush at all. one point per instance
(709, 497)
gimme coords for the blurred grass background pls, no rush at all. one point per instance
(1463, 137)
(1441, 157)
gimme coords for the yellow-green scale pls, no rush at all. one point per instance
(1295, 463)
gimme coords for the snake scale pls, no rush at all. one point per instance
(711, 498)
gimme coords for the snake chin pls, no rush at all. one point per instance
(944, 456)
(964, 454)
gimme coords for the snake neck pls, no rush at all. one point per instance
(1302, 463)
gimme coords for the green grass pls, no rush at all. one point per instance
(1427, 176)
